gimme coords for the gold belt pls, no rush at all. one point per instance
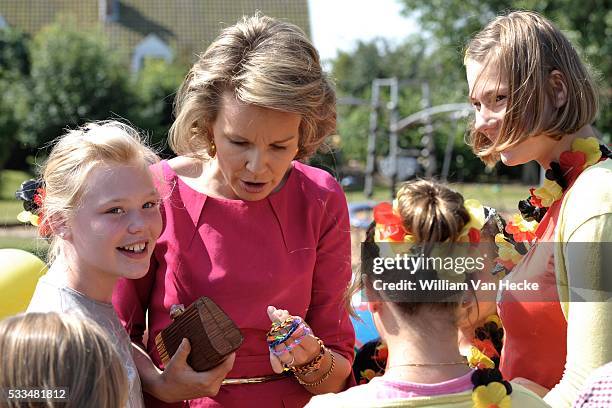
(254, 380)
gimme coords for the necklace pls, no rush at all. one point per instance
(520, 233)
(463, 361)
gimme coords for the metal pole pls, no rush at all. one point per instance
(448, 153)
(370, 163)
(428, 139)
(393, 142)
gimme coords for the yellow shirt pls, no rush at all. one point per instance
(583, 266)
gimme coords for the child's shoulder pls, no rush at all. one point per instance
(183, 166)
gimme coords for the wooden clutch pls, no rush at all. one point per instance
(211, 333)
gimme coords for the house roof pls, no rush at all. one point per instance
(189, 26)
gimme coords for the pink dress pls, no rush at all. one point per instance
(290, 250)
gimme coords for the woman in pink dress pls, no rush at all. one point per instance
(247, 224)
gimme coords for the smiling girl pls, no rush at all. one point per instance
(99, 207)
(535, 100)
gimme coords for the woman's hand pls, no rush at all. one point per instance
(289, 353)
(327, 374)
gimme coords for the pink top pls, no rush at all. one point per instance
(380, 389)
(290, 250)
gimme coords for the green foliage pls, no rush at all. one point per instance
(76, 77)
(14, 66)
(14, 54)
(155, 87)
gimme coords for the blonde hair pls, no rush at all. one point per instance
(527, 48)
(51, 350)
(74, 156)
(263, 62)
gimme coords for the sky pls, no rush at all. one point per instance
(339, 24)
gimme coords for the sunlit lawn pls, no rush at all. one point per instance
(503, 197)
(10, 180)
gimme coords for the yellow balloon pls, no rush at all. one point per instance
(19, 273)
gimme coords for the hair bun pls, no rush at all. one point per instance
(431, 211)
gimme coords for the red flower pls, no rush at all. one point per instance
(390, 222)
(39, 197)
(381, 353)
(474, 235)
(574, 162)
(486, 346)
(534, 200)
(572, 159)
(520, 231)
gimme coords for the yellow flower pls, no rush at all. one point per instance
(590, 148)
(506, 250)
(492, 395)
(522, 224)
(549, 193)
(477, 217)
(28, 217)
(477, 359)
(24, 216)
(368, 374)
(495, 319)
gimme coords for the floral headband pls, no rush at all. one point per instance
(389, 226)
(32, 193)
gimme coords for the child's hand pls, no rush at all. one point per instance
(299, 349)
(181, 382)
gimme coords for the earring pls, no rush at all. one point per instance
(212, 150)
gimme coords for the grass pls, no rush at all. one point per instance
(9, 211)
(34, 245)
(10, 180)
(503, 197)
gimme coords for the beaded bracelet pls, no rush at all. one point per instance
(274, 341)
(322, 379)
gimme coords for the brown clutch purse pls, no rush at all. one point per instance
(211, 333)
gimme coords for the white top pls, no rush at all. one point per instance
(52, 294)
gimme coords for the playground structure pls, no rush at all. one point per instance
(426, 154)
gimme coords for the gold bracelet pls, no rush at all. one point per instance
(322, 379)
(314, 364)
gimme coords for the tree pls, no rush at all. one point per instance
(14, 68)
(155, 88)
(587, 24)
(76, 77)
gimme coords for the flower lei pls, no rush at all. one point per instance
(519, 234)
(490, 389)
(32, 193)
(513, 244)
